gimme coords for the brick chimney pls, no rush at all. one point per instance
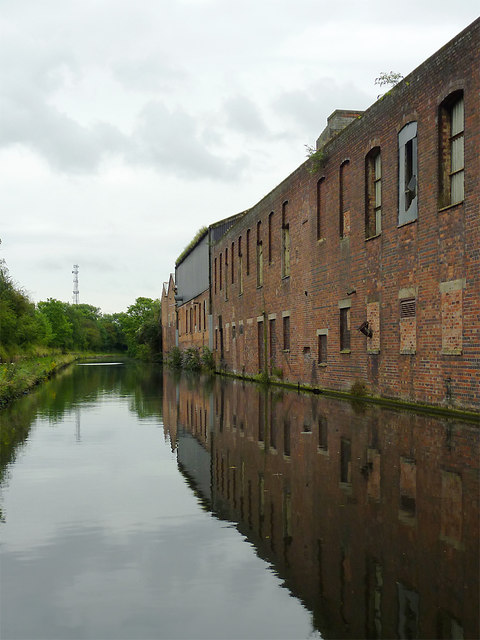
(337, 121)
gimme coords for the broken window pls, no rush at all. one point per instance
(259, 255)
(408, 182)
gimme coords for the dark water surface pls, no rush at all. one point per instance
(140, 505)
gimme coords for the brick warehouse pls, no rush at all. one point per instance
(365, 272)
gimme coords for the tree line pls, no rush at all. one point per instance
(27, 328)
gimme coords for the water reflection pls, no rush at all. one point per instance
(369, 515)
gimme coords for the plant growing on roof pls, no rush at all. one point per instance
(317, 159)
(200, 233)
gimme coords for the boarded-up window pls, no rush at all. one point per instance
(373, 204)
(248, 252)
(452, 317)
(408, 326)
(322, 349)
(345, 329)
(233, 262)
(220, 271)
(451, 152)
(408, 171)
(344, 198)
(451, 508)
(373, 319)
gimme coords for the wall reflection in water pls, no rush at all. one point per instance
(369, 515)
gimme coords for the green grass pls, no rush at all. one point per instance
(17, 378)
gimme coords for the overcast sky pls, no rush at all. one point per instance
(126, 125)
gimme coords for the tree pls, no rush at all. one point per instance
(62, 329)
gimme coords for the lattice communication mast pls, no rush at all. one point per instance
(75, 284)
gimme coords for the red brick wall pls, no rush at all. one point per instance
(193, 322)
(169, 318)
(440, 247)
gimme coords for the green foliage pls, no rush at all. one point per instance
(208, 361)
(142, 327)
(18, 377)
(317, 159)
(26, 329)
(358, 389)
(175, 358)
(389, 78)
(191, 359)
(277, 373)
(200, 233)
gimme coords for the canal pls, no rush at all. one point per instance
(138, 504)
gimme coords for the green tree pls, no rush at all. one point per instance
(62, 329)
(142, 327)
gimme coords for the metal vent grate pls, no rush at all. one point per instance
(408, 308)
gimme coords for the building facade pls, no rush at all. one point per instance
(169, 316)
(360, 271)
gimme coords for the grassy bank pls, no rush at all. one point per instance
(17, 378)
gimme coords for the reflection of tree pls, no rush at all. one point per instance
(72, 388)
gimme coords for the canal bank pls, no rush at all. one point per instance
(359, 395)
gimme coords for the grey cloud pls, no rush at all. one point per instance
(149, 74)
(243, 116)
(171, 140)
(307, 108)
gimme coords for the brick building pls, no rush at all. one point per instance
(169, 316)
(365, 272)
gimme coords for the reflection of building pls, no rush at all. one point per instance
(366, 271)
(369, 515)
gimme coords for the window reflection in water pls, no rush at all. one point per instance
(369, 515)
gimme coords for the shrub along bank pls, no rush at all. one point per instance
(17, 378)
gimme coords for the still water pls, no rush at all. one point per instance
(140, 505)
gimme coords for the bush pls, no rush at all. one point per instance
(175, 358)
(191, 359)
(207, 359)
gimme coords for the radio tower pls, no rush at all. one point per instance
(75, 284)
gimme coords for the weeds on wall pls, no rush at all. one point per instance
(317, 159)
